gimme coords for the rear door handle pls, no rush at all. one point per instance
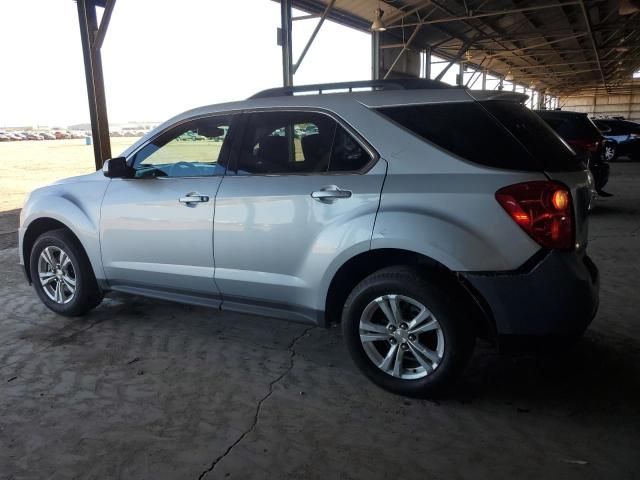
(191, 198)
(330, 194)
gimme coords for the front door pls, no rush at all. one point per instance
(156, 229)
(297, 197)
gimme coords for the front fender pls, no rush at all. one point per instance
(77, 206)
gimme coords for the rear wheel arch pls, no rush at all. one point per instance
(364, 264)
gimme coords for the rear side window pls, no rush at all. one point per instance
(347, 155)
(496, 134)
(297, 142)
(619, 127)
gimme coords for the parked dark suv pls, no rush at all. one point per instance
(624, 135)
(584, 137)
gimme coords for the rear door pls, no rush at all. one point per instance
(304, 190)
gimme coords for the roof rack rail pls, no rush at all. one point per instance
(396, 84)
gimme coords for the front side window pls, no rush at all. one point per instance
(297, 142)
(196, 148)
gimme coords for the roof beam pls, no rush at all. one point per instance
(313, 35)
(458, 56)
(406, 46)
(104, 25)
(488, 14)
(538, 45)
(593, 41)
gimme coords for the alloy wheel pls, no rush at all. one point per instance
(57, 274)
(401, 337)
(609, 153)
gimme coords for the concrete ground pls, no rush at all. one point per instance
(146, 389)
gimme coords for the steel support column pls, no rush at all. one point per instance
(285, 42)
(541, 100)
(375, 55)
(93, 73)
(427, 62)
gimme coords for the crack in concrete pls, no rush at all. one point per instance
(256, 415)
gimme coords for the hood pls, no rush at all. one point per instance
(89, 177)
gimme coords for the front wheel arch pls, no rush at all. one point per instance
(78, 277)
(37, 228)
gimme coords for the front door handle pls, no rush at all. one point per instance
(330, 194)
(192, 198)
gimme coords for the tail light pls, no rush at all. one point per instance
(585, 144)
(543, 210)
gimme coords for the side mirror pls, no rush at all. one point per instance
(117, 168)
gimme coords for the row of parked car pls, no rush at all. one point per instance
(55, 135)
(60, 135)
(600, 140)
(128, 133)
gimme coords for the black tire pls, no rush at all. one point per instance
(455, 322)
(87, 292)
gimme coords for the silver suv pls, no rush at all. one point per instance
(418, 215)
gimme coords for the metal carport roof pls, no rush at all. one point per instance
(561, 46)
(564, 46)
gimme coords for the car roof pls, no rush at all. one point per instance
(373, 99)
(339, 102)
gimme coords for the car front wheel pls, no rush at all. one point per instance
(406, 333)
(62, 275)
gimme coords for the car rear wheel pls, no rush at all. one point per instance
(406, 333)
(62, 275)
(609, 152)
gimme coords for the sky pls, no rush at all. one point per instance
(160, 57)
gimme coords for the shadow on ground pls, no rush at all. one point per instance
(9, 222)
(147, 389)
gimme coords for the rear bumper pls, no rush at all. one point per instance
(557, 297)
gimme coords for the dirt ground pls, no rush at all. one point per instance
(146, 389)
(27, 165)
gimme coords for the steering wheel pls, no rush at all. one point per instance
(183, 169)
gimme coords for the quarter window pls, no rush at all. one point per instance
(193, 149)
(494, 133)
